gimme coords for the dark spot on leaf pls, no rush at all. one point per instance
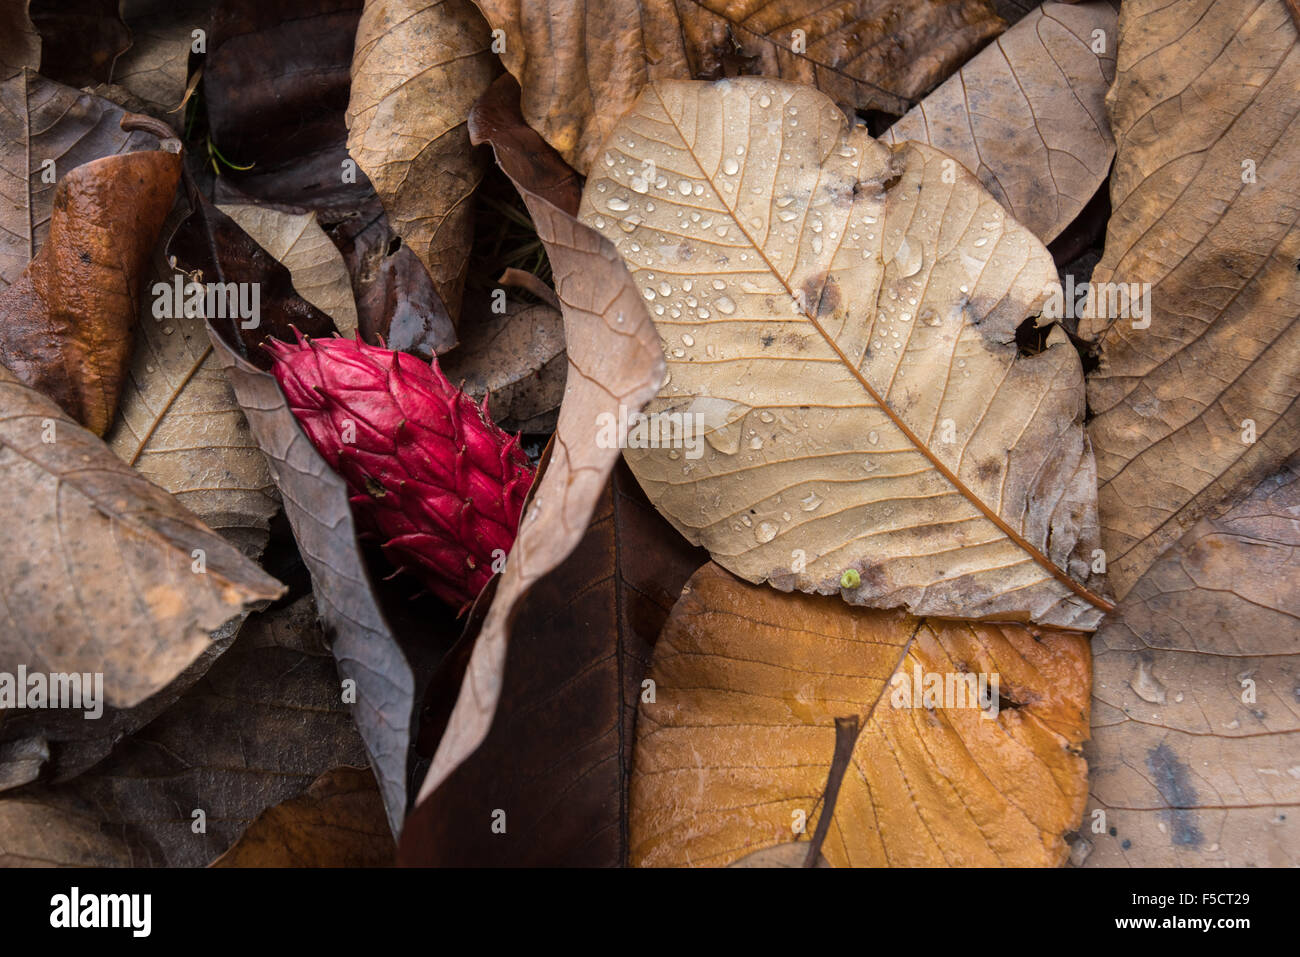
(1174, 782)
(873, 575)
(822, 294)
(840, 193)
(1008, 701)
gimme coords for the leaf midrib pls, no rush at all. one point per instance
(988, 512)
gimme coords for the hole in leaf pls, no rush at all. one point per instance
(1030, 338)
(877, 120)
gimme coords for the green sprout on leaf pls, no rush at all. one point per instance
(217, 160)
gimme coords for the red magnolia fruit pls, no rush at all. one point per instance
(428, 472)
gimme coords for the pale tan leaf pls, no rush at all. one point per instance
(1027, 115)
(613, 361)
(1195, 718)
(419, 66)
(1206, 193)
(583, 65)
(316, 266)
(790, 854)
(749, 683)
(112, 574)
(179, 425)
(841, 320)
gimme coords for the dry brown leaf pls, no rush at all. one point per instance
(395, 298)
(1013, 11)
(515, 359)
(613, 360)
(840, 320)
(21, 761)
(80, 39)
(1027, 115)
(180, 426)
(419, 66)
(314, 262)
(583, 65)
(337, 822)
(258, 729)
(532, 284)
(66, 324)
(1206, 98)
(73, 745)
(276, 79)
(20, 44)
(47, 129)
(129, 583)
(315, 497)
(749, 684)
(559, 755)
(1195, 718)
(156, 67)
(316, 505)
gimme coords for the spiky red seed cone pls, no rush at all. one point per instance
(427, 470)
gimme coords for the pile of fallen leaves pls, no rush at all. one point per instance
(866, 353)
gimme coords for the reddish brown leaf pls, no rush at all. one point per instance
(66, 324)
(47, 129)
(275, 83)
